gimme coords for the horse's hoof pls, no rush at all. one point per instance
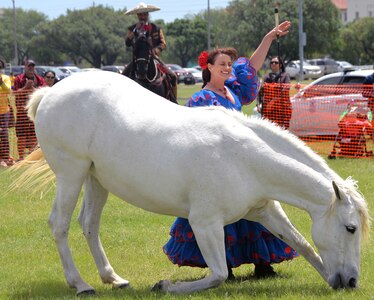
(124, 286)
(86, 293)
(159, 286)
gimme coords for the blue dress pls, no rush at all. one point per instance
(245, 241)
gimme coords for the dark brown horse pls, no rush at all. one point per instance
(148, 71)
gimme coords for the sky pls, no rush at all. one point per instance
(170, 9)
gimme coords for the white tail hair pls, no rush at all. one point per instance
(33, 103)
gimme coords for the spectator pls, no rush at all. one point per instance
(157, 39)
(231, 82)
(24, 85)
(275, 93)
(369, 90)
(5, 90)
(50, 78)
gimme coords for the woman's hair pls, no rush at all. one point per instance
(49, 71)
(212, 55)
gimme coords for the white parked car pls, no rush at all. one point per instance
(344, 65)
(197, 74)
(69, 70)
(317, 108)
(310, 72)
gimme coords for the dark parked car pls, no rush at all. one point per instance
(40, 70)
(182, 75)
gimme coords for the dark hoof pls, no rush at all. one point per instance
(124, 286)
(231, 276)
(158, 287)
(264, 271)
(87, 293)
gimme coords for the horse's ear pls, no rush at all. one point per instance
(336, 190)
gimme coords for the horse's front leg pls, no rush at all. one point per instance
(95, 197)
(273, 217)
(210, 239)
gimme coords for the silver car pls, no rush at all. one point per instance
(310, 72)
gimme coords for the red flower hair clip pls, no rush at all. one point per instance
(203, 60)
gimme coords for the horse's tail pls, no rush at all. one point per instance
(32, 174)
(33, 103)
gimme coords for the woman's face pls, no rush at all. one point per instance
(274, 65)
(49, 78)
(222, 67)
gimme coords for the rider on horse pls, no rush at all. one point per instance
(157, 39)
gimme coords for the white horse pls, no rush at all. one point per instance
(210, 165)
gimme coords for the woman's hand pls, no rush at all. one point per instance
(281, 30)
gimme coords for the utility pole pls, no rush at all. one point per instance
(208, 25)
(301, 40)
(15, 34)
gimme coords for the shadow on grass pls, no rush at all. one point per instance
(42, 290)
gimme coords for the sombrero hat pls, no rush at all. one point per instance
(141, 8)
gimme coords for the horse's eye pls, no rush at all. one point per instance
(350, 228)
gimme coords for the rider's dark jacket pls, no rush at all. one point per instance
(155, 32)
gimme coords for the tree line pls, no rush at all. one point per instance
(95, 36)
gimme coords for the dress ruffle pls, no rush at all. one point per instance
(245, 241)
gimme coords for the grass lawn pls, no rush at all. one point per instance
(133, 240)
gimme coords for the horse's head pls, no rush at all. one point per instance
(142, 55)
(337, 234)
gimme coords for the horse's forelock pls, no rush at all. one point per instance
(350, 186)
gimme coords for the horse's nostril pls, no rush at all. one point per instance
(352, 282)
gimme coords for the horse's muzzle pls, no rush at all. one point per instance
(338, 282)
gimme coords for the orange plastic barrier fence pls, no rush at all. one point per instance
(336, 121)
(17, 133)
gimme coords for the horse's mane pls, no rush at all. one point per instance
(309, 158)
(279, 139)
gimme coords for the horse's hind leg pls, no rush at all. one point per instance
(95, 197)
(70, 174)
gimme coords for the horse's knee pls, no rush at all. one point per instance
(219, 277)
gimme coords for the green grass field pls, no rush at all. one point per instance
(30, 267)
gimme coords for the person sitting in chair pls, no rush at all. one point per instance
(157, 39)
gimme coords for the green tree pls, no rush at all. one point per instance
(248, 21)
(186, 38)
(95, 34)
(359, 33)
(27, 24)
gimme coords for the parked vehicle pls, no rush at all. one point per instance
(182, 75)
(309, 71)
(326, 65)
(111, 68)
(90, 69)
(69, 70)
(40, 70)
(316, 108)
(197, 74)
(15, 69)
(344, 65)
